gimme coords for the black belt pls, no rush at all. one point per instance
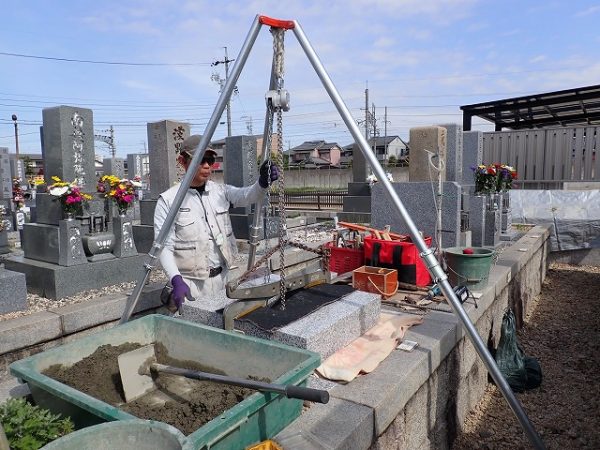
(214, 271)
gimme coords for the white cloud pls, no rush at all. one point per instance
(587, 12)
(538, 58)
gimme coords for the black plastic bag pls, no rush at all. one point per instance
(521, 372)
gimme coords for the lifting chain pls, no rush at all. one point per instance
(278, 52)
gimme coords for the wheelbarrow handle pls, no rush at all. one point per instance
(290, 390)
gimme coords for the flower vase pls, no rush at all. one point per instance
(70, 216)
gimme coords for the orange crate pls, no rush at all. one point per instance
(377, 280)
(342, 260)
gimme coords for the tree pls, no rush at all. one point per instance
(392, 161)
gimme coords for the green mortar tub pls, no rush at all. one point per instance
(258, 417)
(122, 435)
(471, 270)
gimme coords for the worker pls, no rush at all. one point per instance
(201, 247)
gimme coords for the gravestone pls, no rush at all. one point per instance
(69, 145)
(417, 198)
(114, 166)
(454, 152)
(240, 169)
(5, 176)
(164, 139)
(138, 165)
(422, 141)
(357, 204)
(54, 257)
(472, 155)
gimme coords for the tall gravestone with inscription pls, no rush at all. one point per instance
(164, 141)
(64, 254)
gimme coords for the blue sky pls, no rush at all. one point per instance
(422, 59)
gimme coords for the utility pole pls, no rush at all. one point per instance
(367, 114)
(216, 78)
(385, 142)
(18, 162)
(109, 140)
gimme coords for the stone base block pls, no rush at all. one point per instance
(357, 203)
(329, 328)
(207, 311)
(362, 189)
(54, 281)
(13, 292)
(324, 331)
(354, 217)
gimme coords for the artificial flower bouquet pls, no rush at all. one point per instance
(493, 178)
(121, 190)
(69, 195)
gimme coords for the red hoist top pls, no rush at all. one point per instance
(277, 23)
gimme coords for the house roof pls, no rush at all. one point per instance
(578, 106)
(308, 146)
(379, 141)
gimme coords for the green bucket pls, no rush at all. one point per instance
(470, 270)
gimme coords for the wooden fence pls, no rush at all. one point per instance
(547, 156)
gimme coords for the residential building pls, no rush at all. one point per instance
(316, 154)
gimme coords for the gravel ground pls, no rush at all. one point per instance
(563, 333)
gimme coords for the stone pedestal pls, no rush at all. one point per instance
(477, 219)
(357, 204)
(491, 237)
(70, 247)
(4, 248)
(124, 242)
(54, 281)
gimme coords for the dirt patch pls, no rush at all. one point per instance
(563, 332)
(185, 404)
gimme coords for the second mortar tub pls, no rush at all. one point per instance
(256, 418)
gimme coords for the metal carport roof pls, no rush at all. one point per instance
(578, 106)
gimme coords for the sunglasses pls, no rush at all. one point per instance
(209, 159)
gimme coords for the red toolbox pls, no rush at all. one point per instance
(400, 255)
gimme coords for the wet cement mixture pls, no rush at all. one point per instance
(187, 405)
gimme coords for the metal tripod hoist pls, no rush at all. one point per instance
(279, 100)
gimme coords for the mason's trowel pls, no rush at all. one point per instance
(137, 367)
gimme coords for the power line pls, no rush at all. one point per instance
(111, 63)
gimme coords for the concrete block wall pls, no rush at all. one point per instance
(420, 399)
(432, 416)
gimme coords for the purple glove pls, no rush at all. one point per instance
(180, 291)
(263, 179)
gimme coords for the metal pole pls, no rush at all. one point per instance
(159, 242)
(426, 253)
